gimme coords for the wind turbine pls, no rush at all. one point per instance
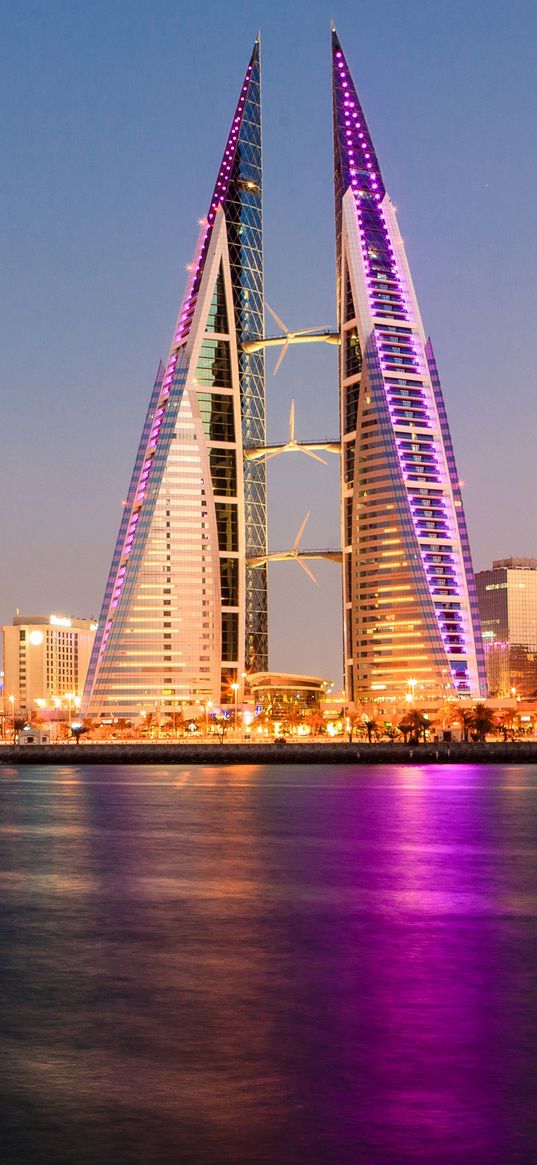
(292, 445)
(290, 337)
(294, 552)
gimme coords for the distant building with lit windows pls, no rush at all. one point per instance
(280, 693)
(46, 659)
(507, 597)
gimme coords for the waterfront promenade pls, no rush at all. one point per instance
(237, 753)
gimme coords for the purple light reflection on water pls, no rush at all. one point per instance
(422, 991)
(272, 964)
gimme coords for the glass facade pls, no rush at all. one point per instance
(507, 597)
(244, 217)
(408, 588)
(181, 615)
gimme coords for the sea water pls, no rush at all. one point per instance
(268, 964)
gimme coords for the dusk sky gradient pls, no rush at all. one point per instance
(113, 121)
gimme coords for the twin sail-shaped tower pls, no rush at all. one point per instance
(184, 615)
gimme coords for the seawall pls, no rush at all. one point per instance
(517, 752)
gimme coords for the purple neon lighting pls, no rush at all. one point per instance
(219, 195)
(384, 279)
(106, 637)
(142, 486)
(181, 332)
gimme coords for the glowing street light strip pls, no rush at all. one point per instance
(400, 354)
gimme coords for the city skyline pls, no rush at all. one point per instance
(56, 388)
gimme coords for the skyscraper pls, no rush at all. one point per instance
(410, 609)
(182, 614)
(507, 596)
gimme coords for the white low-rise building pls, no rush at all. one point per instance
(46, 658)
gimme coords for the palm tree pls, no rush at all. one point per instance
(372, 729)
(221, 724)
(483, 721)
(466, 716)
(315, 721)
(414, 724)
(19, 722)
(404, 727)
(508, 725)
(292, 718)
(446, 715)
(178, 721)
(351, 722)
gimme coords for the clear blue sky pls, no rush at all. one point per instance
(113, 118)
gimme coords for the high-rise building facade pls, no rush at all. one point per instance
(410, 609)
(185, 608)
(183, 615)
(507, 597)
(46, 659)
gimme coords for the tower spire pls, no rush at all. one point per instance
(219, 195)
(352, 140)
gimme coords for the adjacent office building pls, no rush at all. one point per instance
(183, 617)
(507, 597)
(46, 660)
(410, 608)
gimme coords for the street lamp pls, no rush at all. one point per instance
(208, 706)
(235, 689)
(412, 686)
(69, 696)
(12, 702)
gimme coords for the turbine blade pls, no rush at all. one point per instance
(274, 453)
(310, 331)
(292, 422)
(310, 453)
(296, 542)
(276, 318)
(309, 572)
(281, 356)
